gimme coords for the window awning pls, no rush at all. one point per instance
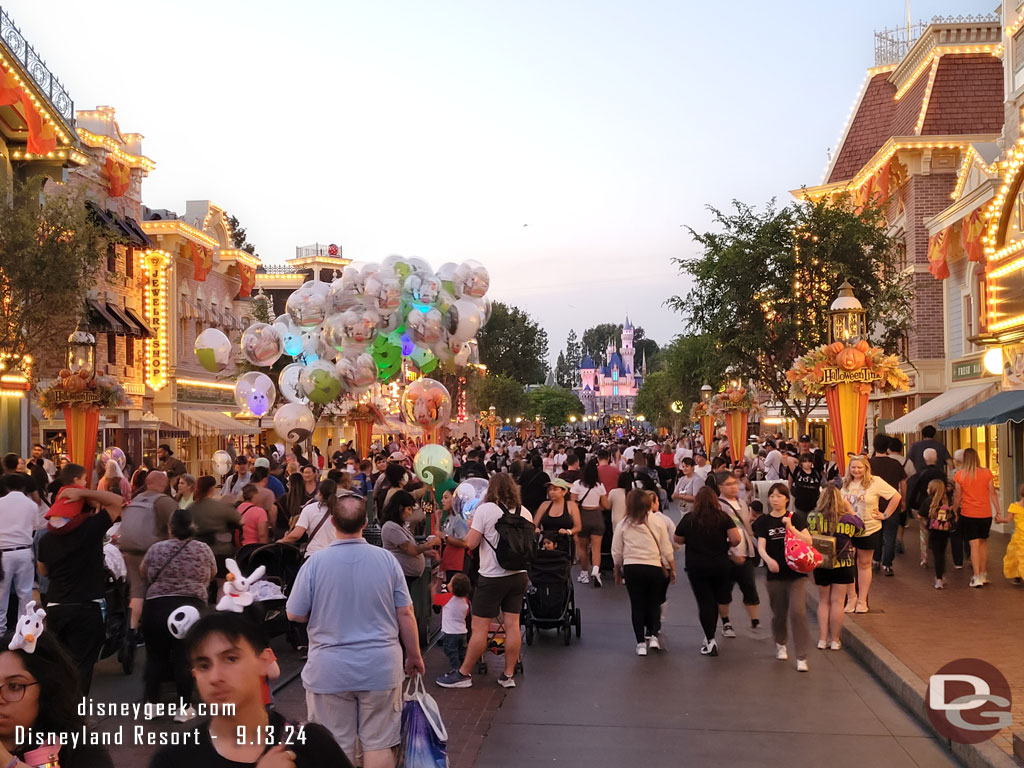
(947, 404)
(147, 332)
(213, 423)
(101, 319)
(998, 409)
(130, 326)
(165, 429)
(134, 231)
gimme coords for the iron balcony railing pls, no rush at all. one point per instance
(891, 45)
(31, 62)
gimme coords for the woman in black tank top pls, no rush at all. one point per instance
(559, 514)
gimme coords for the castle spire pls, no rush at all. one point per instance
(643, 362)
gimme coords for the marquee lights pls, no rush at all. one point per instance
(40, 108)
(927, 97)
(105, 142)
(206, 384)
(155, 264)
(178, 227)
(939, 52)
(970, 158)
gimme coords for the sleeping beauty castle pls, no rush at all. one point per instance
(609, 390)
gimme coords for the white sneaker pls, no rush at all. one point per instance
(781, 653)
(836, 645)
(822, 645)
(801, 665)
(583, 578)
(186, 714)
(976, 581)
(595, 579)
(984, 578)
(728, 631)
(939, 584)
(641, 649)
(653, 643)
(710, 648)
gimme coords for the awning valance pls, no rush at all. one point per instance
(948, 403)
(162, 427)
(214, 423)
(102, 320)
(147, 332)
(130, 327)
(998, 409)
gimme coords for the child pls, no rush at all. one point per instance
(936, 512)
(453, 620)
(1013, 562)
(548, 544)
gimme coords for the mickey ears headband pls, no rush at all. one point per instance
(30, 627)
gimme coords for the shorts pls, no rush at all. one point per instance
(826, 577)
(499, 593)
(972, 528)
(136, 585)
(867, 542)
(592, 522)
(743, 575)
(370, 719)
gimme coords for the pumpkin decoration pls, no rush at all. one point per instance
(74, 384)
(64, 373)
(850, 359)
(862, 346)
(837, 347)
(735, 395)
(84, 374)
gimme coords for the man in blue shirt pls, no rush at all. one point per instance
(276, 486)
(354, 598)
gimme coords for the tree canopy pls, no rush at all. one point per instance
(506, 394)
(241, 242)
(512, 344)
(688, 363)
(765, 279)
(554, 405)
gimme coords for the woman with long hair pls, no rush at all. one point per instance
(113, 480)
(644, 559)
(590, 494)
(315, 520)
(558, 516)
(938, 515)
(787, 589)
(832, 517)
(291, 504)
(707, 532)
(138, 481)
(862, 491)
(411, 555)
(975, 497)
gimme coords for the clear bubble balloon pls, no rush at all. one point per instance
(427, 404)
(114, 453)
(446, 274)
(484, 305)
(318, 382)
(289, 383)
(468, 495)
(359, 324)
(342, 296)
(307, 306)
(471, 280)
(255, 392)
(424, 327)
(261, 344)
(421, 288)
(383, 292)
(357, 374)
(291, 335)
(313, 349)
(294, 422)
(221, 462)
(463, 320)
(433, 464)
(213, 350)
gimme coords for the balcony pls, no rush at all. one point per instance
(17, 48)
(892, 45)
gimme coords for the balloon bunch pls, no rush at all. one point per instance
(346, 335)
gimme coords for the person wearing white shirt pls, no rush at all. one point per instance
(315, 518)
(686, 489)
(19, 520)
(627, 454)
(772, 463)
(682, 452)
(701, 466)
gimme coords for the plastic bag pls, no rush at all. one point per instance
(424, 736)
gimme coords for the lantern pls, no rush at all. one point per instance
(82, 352)
(705, 393)
(846, 317)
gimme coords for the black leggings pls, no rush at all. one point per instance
(646, 587)
(165, 654)
(712, 587)
(937, 541)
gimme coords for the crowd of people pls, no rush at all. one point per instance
(364, 611)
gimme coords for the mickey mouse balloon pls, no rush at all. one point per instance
(427, 404)
(255, 392)
(261, 344)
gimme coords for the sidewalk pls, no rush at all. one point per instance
(914, 629)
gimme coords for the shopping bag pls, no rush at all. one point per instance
(424, 736)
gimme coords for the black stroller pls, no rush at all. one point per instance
(116, 637)
(282, 562)
(550, 599)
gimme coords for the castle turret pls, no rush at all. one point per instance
(627, 352)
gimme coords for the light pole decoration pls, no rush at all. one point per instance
(701, 412)
(489, 419)
(734, 407)
(845, 371)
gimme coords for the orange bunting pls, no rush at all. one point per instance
(248, 276)
(972, 228)
(938, 245)
(202, 260)
(119, 175)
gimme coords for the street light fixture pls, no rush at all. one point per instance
(705, 393)
(82, 352)
(846, 317)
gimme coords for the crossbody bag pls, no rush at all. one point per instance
(664, 568)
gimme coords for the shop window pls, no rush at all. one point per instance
(129, 351)
(111, 349)
(968, 322)
(111, 258)
(129, 262)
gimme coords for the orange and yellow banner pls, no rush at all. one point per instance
(938, 246)
(736, 430)
(848, 413)
(972, 229)
(82, 425)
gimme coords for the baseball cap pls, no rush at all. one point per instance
(805, 438)
(262, 461)
(560, 483)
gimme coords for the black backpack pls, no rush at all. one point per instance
(517, 542)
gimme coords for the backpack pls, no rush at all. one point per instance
(516, 540)
(138, 531)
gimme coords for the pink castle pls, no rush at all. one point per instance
(610, 389)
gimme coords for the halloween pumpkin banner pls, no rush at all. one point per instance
(734, 407)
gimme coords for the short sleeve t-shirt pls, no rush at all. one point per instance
(806, 489)
(484, 518)
(454, 558)
(773, 531)
(309, 519)
(847, 527)
(252, 516)
(75, 561)
(864, 502)
(393, 536)
(588, 498)
(706, 548)
(608, 475)
(975, 501)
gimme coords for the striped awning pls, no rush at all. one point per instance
(209, 423)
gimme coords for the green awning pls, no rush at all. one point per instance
(998, 409)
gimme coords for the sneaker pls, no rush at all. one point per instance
(975, 581)
(583, 578)
(184, 715)
(641, 649)
(939, 584)
(899, 547)
(801, 665)
(924, 563)
(506, 681)
(455, 679)
(595, 579)
(887, 570)
(710, 648)
(836, 645)
(958, 567)
(728, 631)
(654, 643)
(984, 579)
(875, 566)
(781, 653)
(822, 645)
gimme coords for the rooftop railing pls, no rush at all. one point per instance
(31, 62)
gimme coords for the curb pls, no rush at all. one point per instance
(910, 690)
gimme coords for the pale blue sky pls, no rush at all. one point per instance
(440, 128)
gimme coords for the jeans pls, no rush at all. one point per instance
(454, 647)
(885, 550)
(20, 573)
(788, 598)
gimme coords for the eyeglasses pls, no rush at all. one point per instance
(14, 692)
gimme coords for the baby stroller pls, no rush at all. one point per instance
(551, 600)
(116, 638)
(282, 562)
(496, 644)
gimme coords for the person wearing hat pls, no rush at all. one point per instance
(233, 483)
(275, 486)
(172, 466)
(559, 516)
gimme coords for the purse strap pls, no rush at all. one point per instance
(657, 546)
(162, 567)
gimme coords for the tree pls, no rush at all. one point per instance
(655, 398)
(554, 405)
(765, 280)
(505, 394)
(513, 344)
(572, 361)
(649, 351)
(687, 364)
(562, 374)
(50, 250)
(238, 235)
(595, 340)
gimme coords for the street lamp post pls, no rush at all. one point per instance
(705, 393)
(82, 352)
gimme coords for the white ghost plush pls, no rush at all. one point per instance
(236, 588)
(30, 627)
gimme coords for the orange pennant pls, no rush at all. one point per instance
(938, 245)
